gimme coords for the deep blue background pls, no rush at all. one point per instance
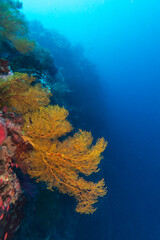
(123, 39)
(131, 112)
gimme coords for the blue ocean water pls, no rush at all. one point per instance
(122, 39)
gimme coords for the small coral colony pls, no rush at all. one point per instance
(32, 136)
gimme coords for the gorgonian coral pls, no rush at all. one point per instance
(60, 164)
(13, 26)
(47, 123)
(20, 96)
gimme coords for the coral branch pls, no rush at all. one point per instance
(40, 153)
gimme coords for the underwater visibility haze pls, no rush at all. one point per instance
(70, 70)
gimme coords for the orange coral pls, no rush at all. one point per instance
(47, 122)
(60, 163)
(18, 94)
(23, 44)
(14, 26)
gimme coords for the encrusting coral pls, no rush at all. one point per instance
(60, 164)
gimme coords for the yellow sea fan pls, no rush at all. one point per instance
(78, 151)
(20, 96)
(23, 44)
(58, 164)
(47, 122)
(30, 100)
(14, 26)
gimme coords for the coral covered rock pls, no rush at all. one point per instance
(10, 189)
